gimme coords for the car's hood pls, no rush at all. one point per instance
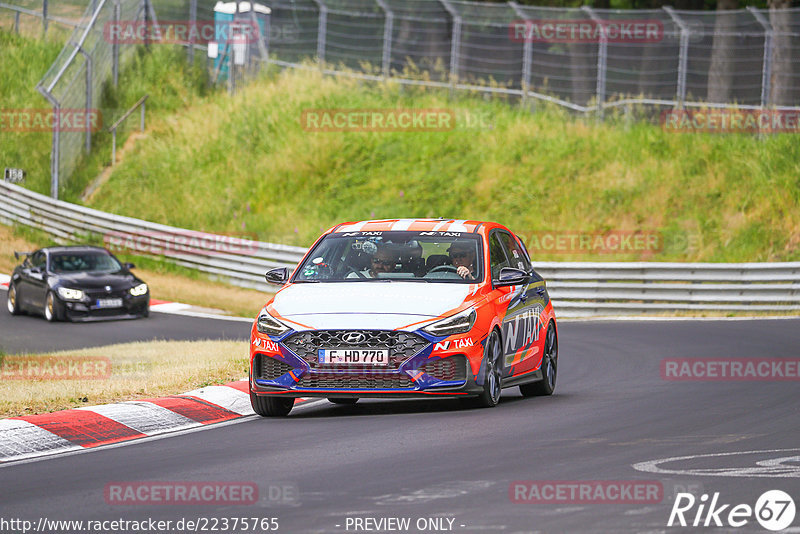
(371, 305)
(95, 280)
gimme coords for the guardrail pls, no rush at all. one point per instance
(577, 288)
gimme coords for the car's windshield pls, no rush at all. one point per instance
(452, 257)
(83, 261)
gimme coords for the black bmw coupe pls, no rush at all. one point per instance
(78, 283)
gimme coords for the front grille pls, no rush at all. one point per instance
(401, 345)
(103, 294)
(452, 368)
(355, 381)
(271, 368)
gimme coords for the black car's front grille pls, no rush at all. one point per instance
(452, 368)
(270, 368)
(401, 345)
(355, 381)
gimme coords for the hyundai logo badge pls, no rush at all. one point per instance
(354, 337)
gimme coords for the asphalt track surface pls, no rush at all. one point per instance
(434, 459)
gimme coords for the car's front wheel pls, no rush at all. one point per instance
(492, 380)
(53, 309)
(271, 406)
(547, 385)
(11, 300)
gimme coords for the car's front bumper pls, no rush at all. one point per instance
(84, 311)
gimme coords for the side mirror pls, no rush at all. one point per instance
(277, 276)
(129, 266)
(510, 276)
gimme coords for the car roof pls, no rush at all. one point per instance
(74, 248)
(416, 225)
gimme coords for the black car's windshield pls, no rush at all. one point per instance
(74, 262)
(453, 257)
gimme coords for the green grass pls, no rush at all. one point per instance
(163, 74)
(245, 165)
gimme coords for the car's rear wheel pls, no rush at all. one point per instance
(492, 379)
(547, 384)
(271, 406)
(11, 300)
(53, 309)
(342, 400)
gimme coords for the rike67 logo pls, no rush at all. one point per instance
(774, 510)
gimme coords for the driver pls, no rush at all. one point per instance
(462, 255)
(383, 261)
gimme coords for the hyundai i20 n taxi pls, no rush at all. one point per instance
(420, 308)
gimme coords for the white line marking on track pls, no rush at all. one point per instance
(775, 467)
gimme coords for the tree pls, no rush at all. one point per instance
(720, 74)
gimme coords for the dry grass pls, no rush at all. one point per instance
(138, 370)
(163, 286)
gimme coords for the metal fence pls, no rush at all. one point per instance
(748, 57)
(577, 289)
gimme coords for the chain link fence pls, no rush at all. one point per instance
(585, 59)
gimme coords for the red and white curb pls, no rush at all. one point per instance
(4, 279)
(32, 436)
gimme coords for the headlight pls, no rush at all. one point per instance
(455, 324)
(139, 290)
(267, 324)
(70, 294)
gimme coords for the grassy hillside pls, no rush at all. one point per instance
(246, 165)
(163, 74)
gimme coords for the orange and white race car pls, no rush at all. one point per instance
(405, 308)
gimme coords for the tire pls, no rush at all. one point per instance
(271, 406)
(492, 380)
(11, 300)
(342, 400)
(53, 309)
(547, 385)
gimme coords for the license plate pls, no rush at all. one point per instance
(109, 303)
(354, 356)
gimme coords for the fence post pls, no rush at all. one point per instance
(322, 30)
(602, 60)
(388, 30)
(766, 65)
(527, 55)
(192, 28)
(115, 46)
(683, 55)
(16, 22)
(455, 45)
(88, 101)
(54, 152)
(44, 16)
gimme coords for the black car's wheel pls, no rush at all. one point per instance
(492, 381)
(271, 406)
(53, 309)
(11, 300)
(547, 384)
(342, 400)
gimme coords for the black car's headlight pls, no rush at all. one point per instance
(455, 324)
(138, 291)
(70, 294)
(267, 324)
